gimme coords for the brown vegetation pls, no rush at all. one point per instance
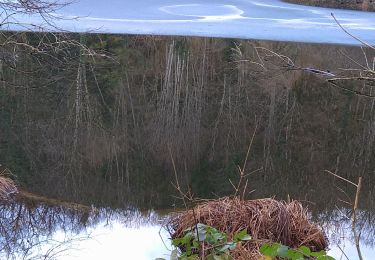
(7, 188)
(363, 5)
(266, 220)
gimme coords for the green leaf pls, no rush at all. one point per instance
(188, 236)
(227, 246)
(282, 251)
(178, 241)
(294, 255)
(241, 236)
(325, 257)
(174, 254)
(305, 250)
(238, 236)
(218, 235)
(246, 238)
(201, 235)
(269, 250)
(320, 253)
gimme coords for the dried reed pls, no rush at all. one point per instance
(7, 188)
(266, 220)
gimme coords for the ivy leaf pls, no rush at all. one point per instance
(295, 255)
(317, 254)
(269, 250)
(241, 236)
(305, 250)
(218, 235)
(282, 251)
(227, 246)
(178, 241)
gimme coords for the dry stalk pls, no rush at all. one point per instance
(354, 219)
(242, 170)
(8, 187)
(184, 196)
(354, 211)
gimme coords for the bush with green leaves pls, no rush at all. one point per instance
(215, 243)
(216, 246)
(271, 251)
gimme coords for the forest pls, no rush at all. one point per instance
(101, 119)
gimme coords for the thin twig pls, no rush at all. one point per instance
(242, 174)
(358, 93)
(351, 35)
(342, 178)
(178, 187)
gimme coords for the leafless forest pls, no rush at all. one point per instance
(102, 118)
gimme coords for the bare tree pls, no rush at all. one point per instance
(11, 10)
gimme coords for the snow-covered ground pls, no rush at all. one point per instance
(248, 19)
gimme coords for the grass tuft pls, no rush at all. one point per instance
(266, 220)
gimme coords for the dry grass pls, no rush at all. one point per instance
(7, 188)
(266, 220)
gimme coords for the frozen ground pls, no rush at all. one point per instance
(249, 19)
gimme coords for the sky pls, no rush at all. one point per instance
(247, 19)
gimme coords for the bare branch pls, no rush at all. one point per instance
(342, 178)
(351, 35)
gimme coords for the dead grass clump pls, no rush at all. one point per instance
(7, 188)
(266, 220)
